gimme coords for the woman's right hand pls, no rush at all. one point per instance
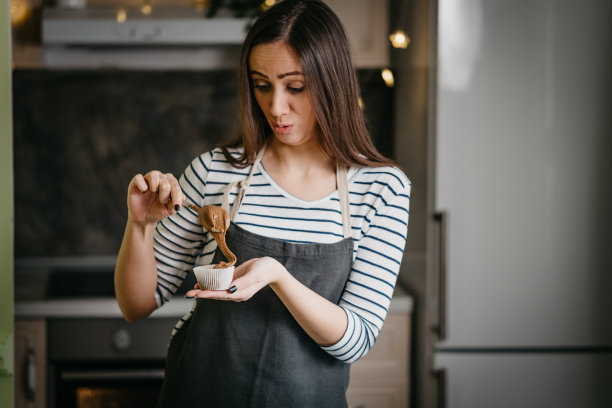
(153, 197)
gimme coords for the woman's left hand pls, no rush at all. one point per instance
(249, 278)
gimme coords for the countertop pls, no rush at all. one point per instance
(83, 288)
(108, 308)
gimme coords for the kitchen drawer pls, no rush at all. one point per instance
(378, 396)
(381, 378)
(389, 356)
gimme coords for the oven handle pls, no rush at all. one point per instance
(30, 376)
(83, 375)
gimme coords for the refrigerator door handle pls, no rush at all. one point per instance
(440, 376)
(441, 218)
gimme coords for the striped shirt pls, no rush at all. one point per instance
(379, 199)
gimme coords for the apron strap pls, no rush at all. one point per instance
(242, 188)
(343, 195)
(243, 185)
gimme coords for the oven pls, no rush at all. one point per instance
(94, 358)
(106, 363)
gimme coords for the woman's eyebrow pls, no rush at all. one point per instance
(253, 72)
(286, 74)
(281, 76)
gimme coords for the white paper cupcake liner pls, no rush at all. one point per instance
(210, 278)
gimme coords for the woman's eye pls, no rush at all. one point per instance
(261, 87)
(295, 89)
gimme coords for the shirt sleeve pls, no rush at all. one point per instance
(367, 295)
(179, 239)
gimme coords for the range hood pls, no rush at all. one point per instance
(129, 27)
(166, 38)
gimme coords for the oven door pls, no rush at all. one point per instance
(108, 385)
(95, 363)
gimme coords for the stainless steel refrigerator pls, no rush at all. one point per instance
(520, 264)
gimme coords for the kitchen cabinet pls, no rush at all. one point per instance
(366, 23)
(367, 26)
(30, 363)
(381, 378)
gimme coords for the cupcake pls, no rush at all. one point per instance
(211, 278)
(218, 276)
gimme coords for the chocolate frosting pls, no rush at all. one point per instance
(216, 221)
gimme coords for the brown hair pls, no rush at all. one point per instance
(316, 35)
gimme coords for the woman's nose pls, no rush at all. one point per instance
(279, 105)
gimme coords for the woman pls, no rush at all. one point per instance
(319, 221)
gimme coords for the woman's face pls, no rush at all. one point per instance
(280, 90)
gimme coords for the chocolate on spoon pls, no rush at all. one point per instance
(216, 220)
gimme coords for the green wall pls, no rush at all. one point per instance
(6, 209)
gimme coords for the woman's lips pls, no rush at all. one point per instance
(282, 129)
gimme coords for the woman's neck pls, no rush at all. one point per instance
(300, 159)
(305, 172)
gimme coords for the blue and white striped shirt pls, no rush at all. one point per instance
(379, 199)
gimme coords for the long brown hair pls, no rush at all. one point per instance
(316, 35)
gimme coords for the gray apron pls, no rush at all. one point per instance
(253, 353)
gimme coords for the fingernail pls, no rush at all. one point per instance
(233, 289)
(176, 207)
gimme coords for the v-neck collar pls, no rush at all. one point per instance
(306, 203)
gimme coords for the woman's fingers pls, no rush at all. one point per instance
(176, 194)
(159, 183)
(152, 178)
(166, 186)
(139, 182)
(164, 190)
(154, 196)
(220, 295)
(248, 290)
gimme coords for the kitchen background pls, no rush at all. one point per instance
(80, 136)
(91, 108)
(498, 111)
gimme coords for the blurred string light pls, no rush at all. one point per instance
(121, 15)
(387, 76)
(399, 39)
(201, 5)
(267, 4)
(146, 7)
(239, 8)
(20, 11)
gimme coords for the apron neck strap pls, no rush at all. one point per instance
(243, 185)
(343, 195)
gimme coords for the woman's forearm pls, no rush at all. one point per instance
(324, 321)
(136, 272)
